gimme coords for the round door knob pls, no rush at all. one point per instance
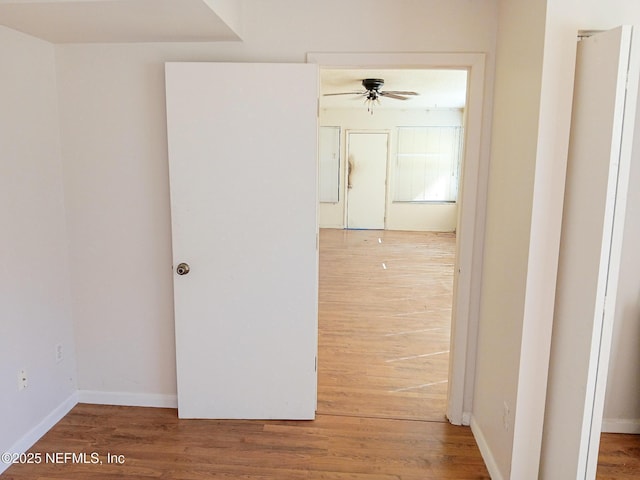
(182, 269)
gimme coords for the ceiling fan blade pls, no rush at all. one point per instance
(393, 95)
(343, 93)
(396, 92)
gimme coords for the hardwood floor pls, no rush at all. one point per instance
(385, 301)
(384, 313)
(383, 356)
(155, 444)
(384, 323)
(619, 457)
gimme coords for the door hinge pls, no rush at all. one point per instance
(626, 82)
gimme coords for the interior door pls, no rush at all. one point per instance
(597, 180)
(366, 179)
(243, 175)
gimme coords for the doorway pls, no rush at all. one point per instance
(469, 246)
(384, 323)
(389, 291)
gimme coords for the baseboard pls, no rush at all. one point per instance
(333, 227)
(485, 451)
(128, 399)
(617, 425)
(28, 440)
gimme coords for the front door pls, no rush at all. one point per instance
(366, 179)
(243, 170)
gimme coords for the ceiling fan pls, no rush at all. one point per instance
(373, 93)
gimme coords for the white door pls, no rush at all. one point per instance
(243, 175)
(366, 179)
(595, 197)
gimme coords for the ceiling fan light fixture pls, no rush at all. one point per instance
(373, 93)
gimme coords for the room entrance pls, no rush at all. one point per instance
(466, 277)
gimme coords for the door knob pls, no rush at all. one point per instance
(182, 269)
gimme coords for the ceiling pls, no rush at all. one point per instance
(436, 88)
(122, 21)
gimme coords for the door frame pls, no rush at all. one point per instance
(471, 212)
(346, 176)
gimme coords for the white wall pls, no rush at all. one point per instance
(34, 274)
(534, 72)
(513, 156)
(440, 217)
(534, 81)
(230, 11)
(116, 174)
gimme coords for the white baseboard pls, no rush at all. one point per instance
(28, 440)
(334, 226)
(128, 399)
(617, 425)
(485, 451)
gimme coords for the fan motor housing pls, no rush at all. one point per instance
(373, 83)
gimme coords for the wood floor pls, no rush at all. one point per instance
(383, 353)
(385, 316)
(383, 356)
(156, 445)
(619, 457)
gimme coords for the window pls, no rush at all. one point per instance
(428, 164)
(329, 164)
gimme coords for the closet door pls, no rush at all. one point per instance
(602, 132)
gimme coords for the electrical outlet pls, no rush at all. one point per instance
(506, 423)
(59, 353)
(23, 381)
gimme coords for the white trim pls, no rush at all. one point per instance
(621, 425)
(128, 399)
(612, 252)
(28, 440)
(485, 451)
(472, 201)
